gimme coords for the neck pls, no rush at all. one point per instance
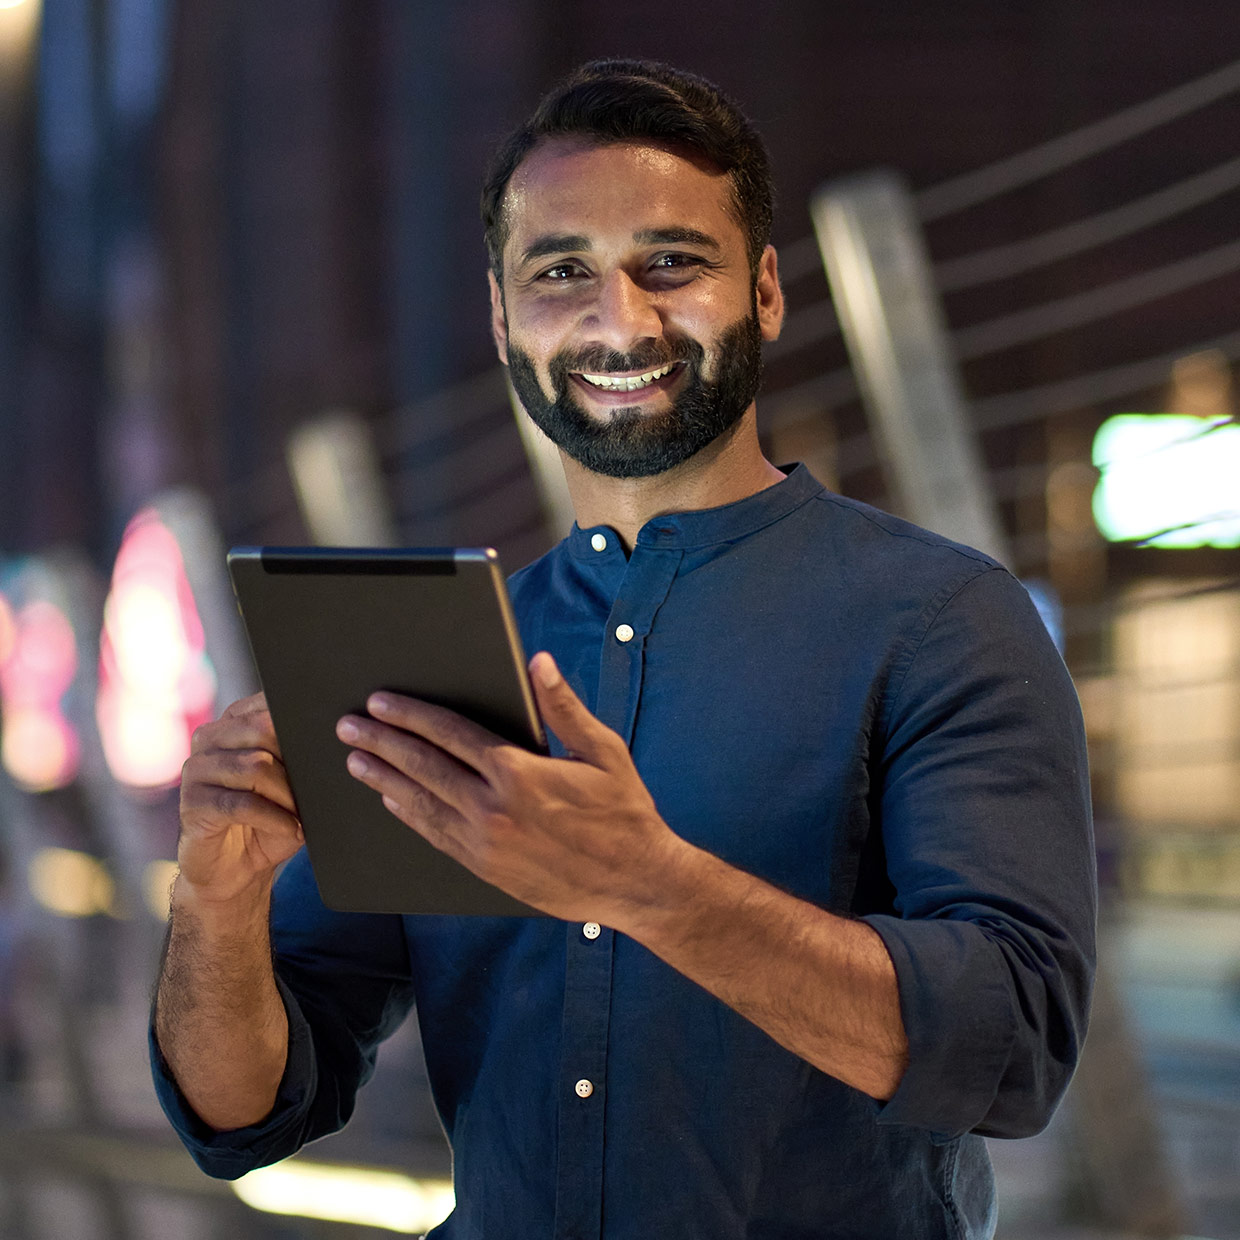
(730, 469)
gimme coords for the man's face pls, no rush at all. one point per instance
(629, 319)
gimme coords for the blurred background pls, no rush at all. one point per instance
(242, 300)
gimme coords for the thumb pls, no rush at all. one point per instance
(566, 715)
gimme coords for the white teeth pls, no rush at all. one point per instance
(612, 383)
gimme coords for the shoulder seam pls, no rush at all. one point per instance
(930, 613)
(913, 534)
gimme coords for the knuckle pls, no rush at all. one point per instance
(228, 802)
(496, 823)
(506, 761)
(192, 773)
(452, 727)
(252, 760)
(609, 741)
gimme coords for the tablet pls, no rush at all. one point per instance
(330, 626)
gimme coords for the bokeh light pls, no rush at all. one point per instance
(357, 1195)
(1170, 480)
(39, 748)
(8, 630)
(156, 684)
(70, 884)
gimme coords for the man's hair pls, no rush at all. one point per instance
(641, 101)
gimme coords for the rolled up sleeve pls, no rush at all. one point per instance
(345, 982)
(985, 818)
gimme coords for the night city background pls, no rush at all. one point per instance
(243, 301)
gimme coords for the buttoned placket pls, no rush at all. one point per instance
(590, 947)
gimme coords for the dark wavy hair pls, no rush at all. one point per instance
(641, 101)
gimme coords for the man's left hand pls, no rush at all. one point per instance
(579, 838)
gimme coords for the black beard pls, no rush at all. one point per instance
(633, 444)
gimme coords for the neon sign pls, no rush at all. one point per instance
(1168, 480)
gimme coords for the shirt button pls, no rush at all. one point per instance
(599, 542)
(584, 1088)
(591, 929)
(624, 632)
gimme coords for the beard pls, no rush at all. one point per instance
(632, 443)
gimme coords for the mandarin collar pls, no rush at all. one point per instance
(708, 526)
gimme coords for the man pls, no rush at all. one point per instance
(814, 839)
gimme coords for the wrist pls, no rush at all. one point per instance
(229, 914)
(671, 887)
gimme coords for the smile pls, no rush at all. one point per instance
(627, 383)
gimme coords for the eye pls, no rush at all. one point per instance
(671, 262)
(560, 273)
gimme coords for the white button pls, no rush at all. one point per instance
(591, 929)
(599, 542)
(584, 1089)
(624, 632)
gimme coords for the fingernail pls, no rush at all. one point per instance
(357, 764)
(546, 670)
(378, 704)
(347, 730)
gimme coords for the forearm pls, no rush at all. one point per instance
(219, 1019)
(822, 986)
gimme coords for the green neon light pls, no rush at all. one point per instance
(1168, 479)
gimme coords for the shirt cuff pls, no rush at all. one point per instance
(228, 1155)
(956, 1004)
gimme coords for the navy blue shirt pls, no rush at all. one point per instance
(863, 713)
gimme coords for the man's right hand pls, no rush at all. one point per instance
(238, 820)
(219, 1018)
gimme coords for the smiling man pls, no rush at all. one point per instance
(814, 835)
(638, 394)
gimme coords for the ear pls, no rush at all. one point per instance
(499, 320)
(769, 296)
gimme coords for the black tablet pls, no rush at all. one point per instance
(330, 626)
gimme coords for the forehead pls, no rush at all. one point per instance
(574, 186)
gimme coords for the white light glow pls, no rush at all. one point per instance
(70, 884)
(1168, 472)
(357, 1195)
(155, 681)
(150, 644)
(19, 21)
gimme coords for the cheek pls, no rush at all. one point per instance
(540, 329)
(707, 311)
(536, 348)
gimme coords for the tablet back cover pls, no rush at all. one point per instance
(328, 627)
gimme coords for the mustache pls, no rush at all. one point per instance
(649, 356)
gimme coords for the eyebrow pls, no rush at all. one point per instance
(554, 243)
(561, 243)
(676, 236)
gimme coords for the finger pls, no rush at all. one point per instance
(414, 759)
(417, 811)
(465, 740)
(249, 770)
(252, 730)
(412, 802)
(210, 809)
(255, 703)
(566, 715)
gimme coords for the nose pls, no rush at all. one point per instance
(623, 313)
